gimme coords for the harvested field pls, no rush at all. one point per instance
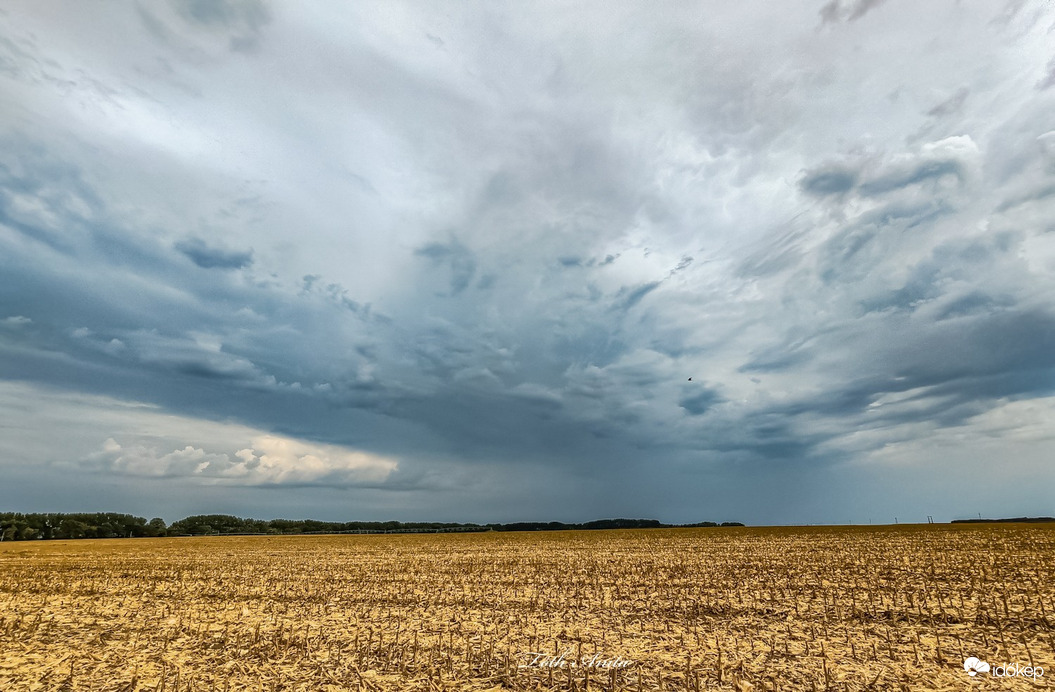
(847, 608)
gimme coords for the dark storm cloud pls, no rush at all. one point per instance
(928, 279)
(1000, 343)
(957, 368)
(829, 180)
(208, 257)
(457, 258)
(631, 297)
(973, 303)
(251, 14)
(137, 327)
(29, 172)
(683, 264)
(850, 254)
(697, 404)
(923, 172)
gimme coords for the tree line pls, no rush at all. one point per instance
(15, 526)
(1016, 520)
(19, 526)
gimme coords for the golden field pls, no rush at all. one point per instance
(840, 608)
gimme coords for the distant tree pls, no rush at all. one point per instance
(202, 524)
(156, 527)
(71, 528)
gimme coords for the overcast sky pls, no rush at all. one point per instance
(458, 261)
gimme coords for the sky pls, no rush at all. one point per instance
(504, 261)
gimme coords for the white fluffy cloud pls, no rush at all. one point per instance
(268, 460)
(143, 441)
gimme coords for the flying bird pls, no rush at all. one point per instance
(690, 379)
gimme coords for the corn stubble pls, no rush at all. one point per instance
(890, 608)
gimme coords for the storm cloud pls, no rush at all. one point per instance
(409, 262)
